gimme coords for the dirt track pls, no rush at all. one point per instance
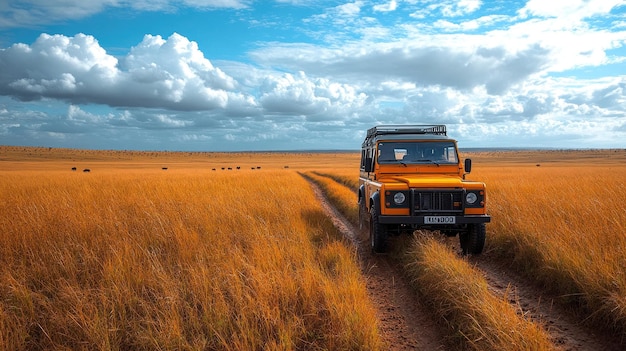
(406, 324)
(565, 329)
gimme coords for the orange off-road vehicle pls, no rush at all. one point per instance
(412, 178)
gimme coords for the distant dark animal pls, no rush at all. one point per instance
(212, 169)
(86, 170)
(230, 168)
(252, 167)
(258, 167)
(223, 168)
(238, 167)
(164, 168)
(286, 166)
(538, 165)
(73, 168)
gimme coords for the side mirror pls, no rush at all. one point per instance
(468, 165)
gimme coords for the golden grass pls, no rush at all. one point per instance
(342, 197)
(347, 177)
(549, 157)
(184, 260)
(47, 159)
(565, 227)
(460, 296)
(133, 257)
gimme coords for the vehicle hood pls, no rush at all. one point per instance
(438, 181)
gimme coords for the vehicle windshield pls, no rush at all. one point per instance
(417, 152)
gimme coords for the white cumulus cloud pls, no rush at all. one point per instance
(167, 73)
(299, 95)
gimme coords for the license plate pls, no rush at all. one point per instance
(439, 220)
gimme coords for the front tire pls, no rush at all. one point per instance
(473, 241)
(378, 235)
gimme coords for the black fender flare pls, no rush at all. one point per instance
(375, 198)
(361, 193)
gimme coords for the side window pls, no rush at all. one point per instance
(363, 156)
(367, 159)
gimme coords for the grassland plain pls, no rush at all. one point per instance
(57, 159)
(130, 256)
(565, 226)
(143, 259)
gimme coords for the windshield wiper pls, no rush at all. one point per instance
(431, 161)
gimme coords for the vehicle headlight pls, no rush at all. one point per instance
(471, 198)
(399, 198)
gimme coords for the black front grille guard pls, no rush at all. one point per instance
(437, 201)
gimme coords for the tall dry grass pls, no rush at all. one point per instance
(342, 197)
(346, 176)
(461, 297)
(566, 228)
(187, 260)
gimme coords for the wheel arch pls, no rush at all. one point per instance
(361, 193)
(375, 199)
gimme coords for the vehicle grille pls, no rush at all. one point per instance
(437, 201)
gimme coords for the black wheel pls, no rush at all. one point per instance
(378, 235)
(473, 241)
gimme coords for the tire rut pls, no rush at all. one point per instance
(566, 330)
(404, 323)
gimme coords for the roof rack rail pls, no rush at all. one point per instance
(406, 129)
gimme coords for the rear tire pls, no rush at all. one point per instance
(378, 235)
(473, 241)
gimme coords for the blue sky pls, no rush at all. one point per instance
(239, 75)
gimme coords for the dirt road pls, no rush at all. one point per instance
(405, 324)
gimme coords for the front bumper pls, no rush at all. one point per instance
(419, 220)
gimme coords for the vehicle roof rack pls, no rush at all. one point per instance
(406, 129)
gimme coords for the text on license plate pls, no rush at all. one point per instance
(439, 220)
